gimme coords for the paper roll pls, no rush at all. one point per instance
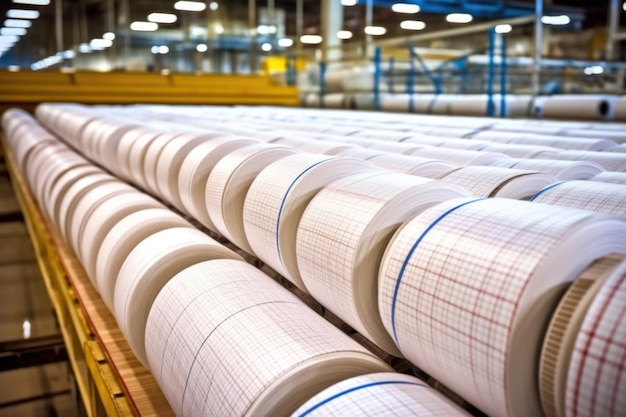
(577, 107)
(122, 238)
(65, 181)
(380, 394)
(360, 153)
(388, 146)
(224, 339)
(520, 151)
(588, 195)
(103, 216)
(482, 181)
(610, 177)
(562, 170)
(327, 147)
(148, 267)
(228, 184)
(55, 167)
(413, 165)
(467, 288)
(595, 379)
(588, 144)
(610, 161)
(151, 158)
(342, 236)
(137, 155)
(460, 157)
(276, 200)
(86, 204)
(125, 145)
(194, 173)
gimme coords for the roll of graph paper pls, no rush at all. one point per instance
(588, 195)
(610, 161)
(381, 394)
(610, 177)
(276, 200)
(224, 339)
(468, 286)
(148, 267)
(413, 165)
(343, 234)
(561, 170)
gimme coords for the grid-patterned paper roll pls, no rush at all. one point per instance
(611, 161)
(381, 394)
(106, 152)
(276, 200)
(102, 218)
(413, 165)
(460, 157)
(151, 159)
(342, 236)
(37, 162)
(53, 168)
(228, 184)
(611, 177)
(148, 267)
(482, 181)
(360, 153)
(596, 383)
(137, 156)
(126, 144)
(561, 170)
(65, 181)
(122, 239)
(520, 151)
(195, 170)
(437, 141)
(387, 146)
(327, 147)
(223, 339)
(468, 286)
(589, 195)
(586, 144)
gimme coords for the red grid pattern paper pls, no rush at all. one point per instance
(611, 177)
(589, 195)
(596, 379)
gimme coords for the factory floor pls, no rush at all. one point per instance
(35, 377)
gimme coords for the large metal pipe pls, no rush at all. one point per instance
(612, 28)
(252, 52)
(536, 87)
(58, 24)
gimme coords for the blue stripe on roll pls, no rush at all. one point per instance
(549, 187)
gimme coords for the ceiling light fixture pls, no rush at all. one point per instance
(459, 18)
(22, 14)
(311, 39)
(162, 17)
(190, 6)
(84, 48)
(202, 47)
(33, 2)
(13, 31)
(344, 34)
(375, 30)
(144, 26)
(266, 47)
(17, 23)
(405, 8)
(4, 39)
(100, 43)
(412, 25)
(108, 36)
(505, 28)
(556, 20)
(214, 5)
(163, 49)
(349, 2)
(285, 42)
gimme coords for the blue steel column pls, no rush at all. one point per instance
(377, 64)
(490, 72)
(503, 75)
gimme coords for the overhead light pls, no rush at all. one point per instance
(17, 23)
(33, 2)
(219, 29)
(69, 54)
(154, 49)
(556, 20)
(202, 47)
(13, 68)
(100, 43)
(624, 6)
(144, 26)
(190, 6)
(13, 31)
(22, 14)
(266, 47)
(162, 17)
(594, 70)
(84, 48)
(9, 39)
(163, 49)
(266, 29)
(412, 25)
(311, 39)
(213, 5)
(405, 8)
(344, 34)
(285, 42)
(375, 30)
(109, 36)
(459, 18)
(349, 2)
(504, 28)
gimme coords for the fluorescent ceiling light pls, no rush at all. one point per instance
(266, 47)
(100, 43)
(84, 48)
(503, 28)
(162, 17)
(311, 39)
(69, 54)
(459, 18)
(144, 26)
(266, 29)
(163, 49)
(344, 34)
(349, 2)
(202, 47)
(594, 70)
(33, 2)
(405, 8)
(190, 6)
(13, 68)
(9, 39)
(375, 30)
(17, 23)
(556, 20)
(285, 42)
(412, 25)
(22, 14)
(13, 31)
(624, 6)
(109, 36)
(214, 5)
(154, 49)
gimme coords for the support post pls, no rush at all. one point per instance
(377, 65)
(503, 70)
(252, 52)
(491, 72)
(536, 87)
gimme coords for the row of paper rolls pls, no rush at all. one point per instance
(461, 287)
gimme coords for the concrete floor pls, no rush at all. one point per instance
(26, 314)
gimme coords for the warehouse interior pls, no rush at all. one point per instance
(313, 208)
